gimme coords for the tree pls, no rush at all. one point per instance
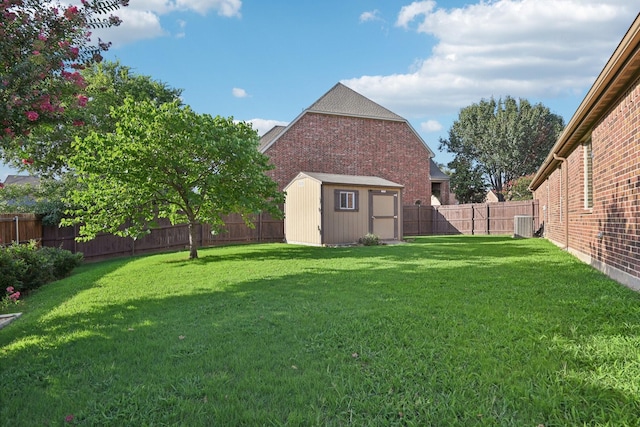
(166, 161)
(467, 182)
(44, 199)
(107, 84)
(43, 45)
(503, 139)
(519, 189)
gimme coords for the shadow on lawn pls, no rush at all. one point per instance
(398, 316)
(467, 248)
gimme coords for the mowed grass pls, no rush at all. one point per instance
(443, 331)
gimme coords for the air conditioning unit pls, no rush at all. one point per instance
(522, 226)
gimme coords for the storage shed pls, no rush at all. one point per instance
(330, 209)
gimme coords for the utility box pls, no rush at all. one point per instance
(522, 226)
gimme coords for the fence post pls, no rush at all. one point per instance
(488, 219)
(17, 230)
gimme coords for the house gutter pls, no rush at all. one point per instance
(565, 196)
(622, 67)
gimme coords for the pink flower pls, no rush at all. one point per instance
(74, 51)
(82, 100)
(68, 418)
(10, 289)
(36, 52)
(70, 12)
(78, 123)
(28, 161)
(32, 116)
(14, 297)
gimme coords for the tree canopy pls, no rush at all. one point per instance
(500, 140)
(166, 161)
(43, 46)
(106, 85)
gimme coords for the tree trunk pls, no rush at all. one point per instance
(193, 240)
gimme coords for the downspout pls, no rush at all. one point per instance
(565, 172)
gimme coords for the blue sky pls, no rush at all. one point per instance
(266, 61)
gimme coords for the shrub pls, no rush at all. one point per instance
(26, 266)
(370, 240)
(11, 297)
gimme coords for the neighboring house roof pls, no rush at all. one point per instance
(21, 180)
(492, 196)
(361, 181)
(269, 136)
(618, 74)
(342, 101)
(436, 174)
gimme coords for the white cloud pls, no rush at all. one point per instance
(522, 48)
(239, 93)
(415, 9)
(431, 126)
(264, 125)
(373, 15)
(141, 19)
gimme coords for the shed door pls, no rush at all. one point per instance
(383, 206)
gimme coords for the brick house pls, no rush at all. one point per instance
(346, 133)
(589, 184)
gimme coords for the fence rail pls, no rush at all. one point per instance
(484, 218)
(165, 237)
(487, 218)
(19, 228)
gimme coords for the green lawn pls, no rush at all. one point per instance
(443, 331)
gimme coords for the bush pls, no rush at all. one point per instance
(25, 267)
(370, 240)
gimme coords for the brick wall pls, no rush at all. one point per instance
(353, 146)
(616, 186)
(609, 233)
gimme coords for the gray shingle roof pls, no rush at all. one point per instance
(344, 101)
(368, 181)
(21, 179)
(340, 100)
(436, 174)
(270, 136)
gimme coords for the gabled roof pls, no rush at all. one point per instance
(356, 180)
(21, 179)
(620, 72)
(341, 101)
(435, 173)
(270, 136)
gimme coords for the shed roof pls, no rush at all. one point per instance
(356, 180)
(622, 69)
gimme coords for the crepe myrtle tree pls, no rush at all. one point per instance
(43, 46)
(107, 84)
(166, 161)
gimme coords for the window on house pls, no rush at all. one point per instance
(346, 200)
(588, 175)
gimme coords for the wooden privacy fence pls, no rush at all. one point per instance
(486, 218)
(477, 218)
(165, 237)
(19, 228)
